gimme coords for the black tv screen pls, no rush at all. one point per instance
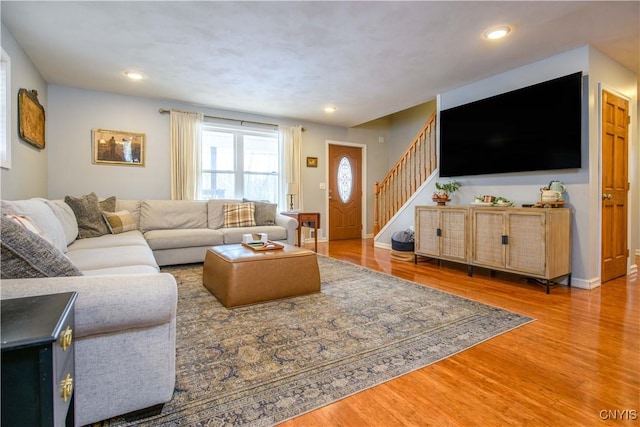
(530, 129)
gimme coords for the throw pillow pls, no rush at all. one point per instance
(108, 204)
(265, 213)
(239, 215)
(24, 254)
(89, 215)
(27, 223)
(120, 221)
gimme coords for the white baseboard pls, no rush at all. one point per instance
(382, 245)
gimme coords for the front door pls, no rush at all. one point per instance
(615, 185)
(345, 192)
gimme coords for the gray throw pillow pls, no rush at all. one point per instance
(88, 211)
(24, 254)
(265, 212)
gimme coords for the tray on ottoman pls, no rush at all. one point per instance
(237, 275)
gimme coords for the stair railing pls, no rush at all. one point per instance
(413, 168)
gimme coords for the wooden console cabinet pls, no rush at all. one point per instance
(532, 242)
(442, 232)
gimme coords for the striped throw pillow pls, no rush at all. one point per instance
(120, 221)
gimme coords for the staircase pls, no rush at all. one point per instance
(412, 169)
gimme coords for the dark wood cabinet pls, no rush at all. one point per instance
(38, 360)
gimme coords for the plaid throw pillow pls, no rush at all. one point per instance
(239, 215)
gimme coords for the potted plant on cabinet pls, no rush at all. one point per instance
(444, 191)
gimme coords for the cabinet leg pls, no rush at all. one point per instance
(470, 271)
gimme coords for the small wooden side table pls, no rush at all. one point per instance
(38, 363)
(306, 219)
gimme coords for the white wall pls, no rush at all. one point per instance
(74, 112)
(28, 174)
(582, 184)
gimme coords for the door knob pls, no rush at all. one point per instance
(607, 196)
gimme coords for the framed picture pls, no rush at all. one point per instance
(115, 147)
(30, 118)
(312, 162)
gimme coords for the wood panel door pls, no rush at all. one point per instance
(345, 192)
(615, 185)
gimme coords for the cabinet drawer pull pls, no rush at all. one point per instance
(65, 338)
(439, 232)
(66, 387)
(505, 240)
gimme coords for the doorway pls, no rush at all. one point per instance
(345, 169)
(615, 186)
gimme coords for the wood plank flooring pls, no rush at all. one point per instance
(578, 364)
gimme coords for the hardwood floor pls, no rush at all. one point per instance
(578, 364)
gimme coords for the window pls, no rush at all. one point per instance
(237, 163)
(5, 110)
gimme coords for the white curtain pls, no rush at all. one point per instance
(291, 143)
(186, 133)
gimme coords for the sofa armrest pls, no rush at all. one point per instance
(291, 224)
(109, 303)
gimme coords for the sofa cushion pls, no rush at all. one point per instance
(116, 256)
(265, 212)
(41, 213)
(25, 254)
(215, 211)
(120, 221)
(88, 211)
(128, 238)
(234, 235)
(183, 238)
(239, 215)
(67, 218)
(172, 214)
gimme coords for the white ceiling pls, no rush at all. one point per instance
(291, 59)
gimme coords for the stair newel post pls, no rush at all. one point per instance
(376, 192)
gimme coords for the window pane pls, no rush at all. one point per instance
(218, 185)
(345, 179)
(261, 187)
(260, 154)
(218, 151)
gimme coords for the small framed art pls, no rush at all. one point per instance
(30, 118)
(116, 147)
(312, 162)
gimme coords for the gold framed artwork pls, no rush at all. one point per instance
(312, 162)
(116, 147)
(30, 118)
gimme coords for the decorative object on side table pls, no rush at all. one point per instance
(444, 191)
(30, 118)
(292, 190)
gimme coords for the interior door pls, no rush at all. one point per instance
(615, 185)
(345, 192)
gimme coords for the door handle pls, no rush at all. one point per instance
(607, 196)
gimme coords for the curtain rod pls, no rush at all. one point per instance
(165, 111)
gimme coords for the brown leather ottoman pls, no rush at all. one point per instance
(237, 275)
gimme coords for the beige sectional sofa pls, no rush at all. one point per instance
(126, 308)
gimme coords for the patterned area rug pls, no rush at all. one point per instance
(266, 363)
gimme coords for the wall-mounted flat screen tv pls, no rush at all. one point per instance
(530, 129)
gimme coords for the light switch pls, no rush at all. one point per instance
(323, 186)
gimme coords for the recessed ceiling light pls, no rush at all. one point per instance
(133, 75)
(498, 32)
(329, 109)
